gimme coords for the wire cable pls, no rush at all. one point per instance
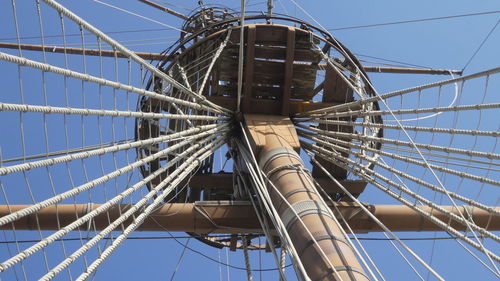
(209, 257)
(137, 15)
(481, 45)
(413, 20)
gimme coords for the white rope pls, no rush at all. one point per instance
(130, 54)
(447, 157)
(186, 168)
(404, 143)
(375, 219)
(355, 104)
(409, 128)
(268, 198)
(459, 164)
(457, 92)
(90, 184)
(361, 172)
(172, 181)
(248, 267)
(415, 179)
(282, 262)
(314, 183)
(65, 230)
(100, 151)
(241, 57)
(89, 78)
(324, 141)
(449, 214)
(470, 226)
(261, 190)
(139, 16)
(214, 59)
(102, 112)
(355, 237)
(260, 216)
(407, 111)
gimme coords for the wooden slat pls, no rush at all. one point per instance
(287, 85)
(304, 76)
(277, 53)
(266, 91)
(295, 106)
(249, 68)
(269, 52)
(275, 34)
(335, 90)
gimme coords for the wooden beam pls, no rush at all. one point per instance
(237, 217)
(280, 161)
(335, 90)
(216, 181)
(159, 56)
(249, 67)
(267, 105)
(287, 85)
(165, 9)
(80, 51)
(260, 127)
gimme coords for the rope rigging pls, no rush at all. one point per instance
(69, 145)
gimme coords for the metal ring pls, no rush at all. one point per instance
(299, 190)
(303, 208)
(341, 268)
(295, 167)
(294, 192)
(321, 238)
(277, 152)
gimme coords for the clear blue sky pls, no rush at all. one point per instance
(445, 43)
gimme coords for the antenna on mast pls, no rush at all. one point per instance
(270, 7)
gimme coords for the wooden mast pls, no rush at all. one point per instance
(236, 217)
(316, 234)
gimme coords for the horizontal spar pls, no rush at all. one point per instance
(159, 56)
(80, 51)
(165, 9)
(237, 217)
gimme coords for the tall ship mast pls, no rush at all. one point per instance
(255, 133)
